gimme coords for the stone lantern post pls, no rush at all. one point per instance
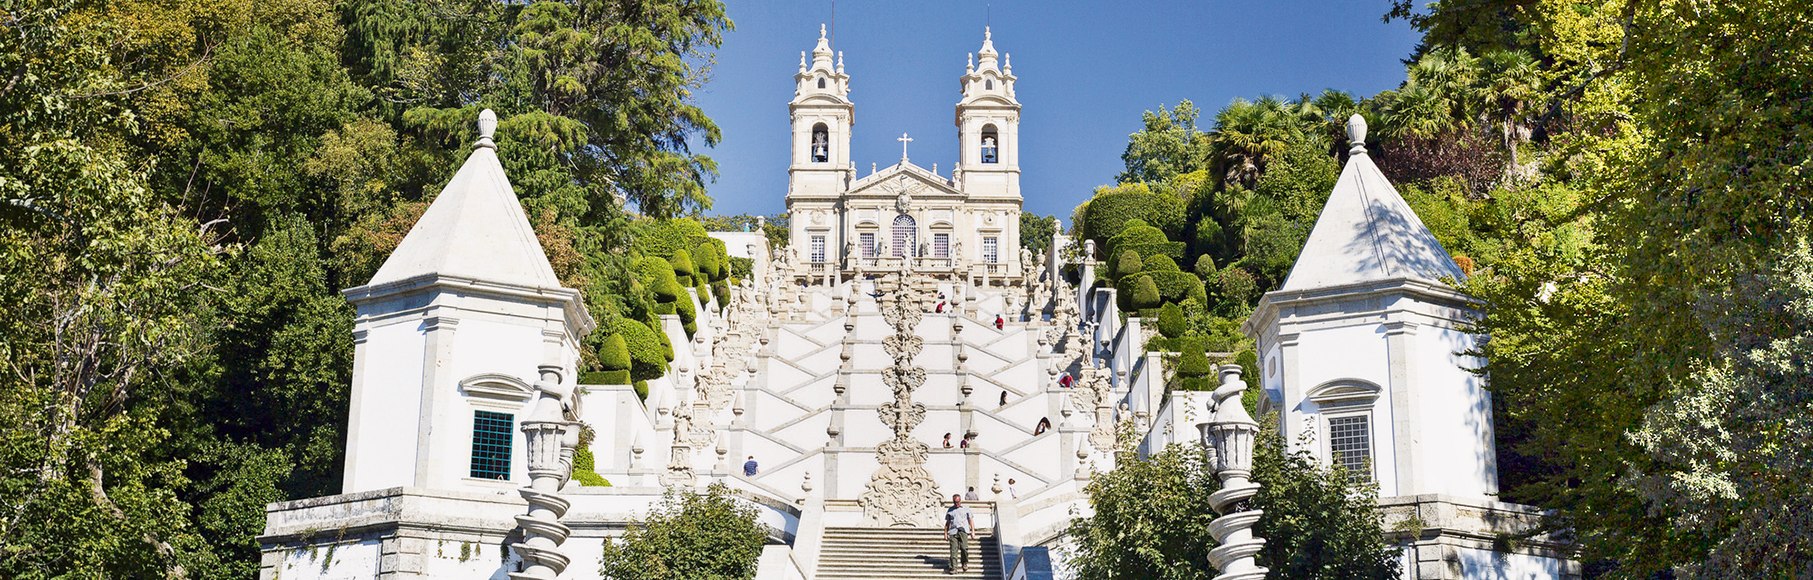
(552, 438)
(1229, 435)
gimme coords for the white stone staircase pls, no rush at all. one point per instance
(877, 553)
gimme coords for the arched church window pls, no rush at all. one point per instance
(906, 236)
(821, 144)
(990, 144)
(988, 84)
(821, 83)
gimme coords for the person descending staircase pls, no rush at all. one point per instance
(888, 553)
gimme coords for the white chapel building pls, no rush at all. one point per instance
(847, 221)
(902, 349)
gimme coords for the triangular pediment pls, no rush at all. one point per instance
(905, 175)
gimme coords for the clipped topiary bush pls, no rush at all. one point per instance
(720, 291)
(648, 353)
(1108, 211)
(1205, 267)
(614, 359)
(1170, 320)
(663, 237)
(1136, 232)
(1144, 293)
(689, 317)
(1145, 240)
(1160, 263)
(1126, 264)
(705, 257)
(712, 259)
(614, 355)
(657, 275)
(1194, 371)
(1171, 287)
(684, 270)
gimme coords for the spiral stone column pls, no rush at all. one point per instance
(551, 439)
(1229, 434)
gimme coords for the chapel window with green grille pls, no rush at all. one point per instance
(491, 444)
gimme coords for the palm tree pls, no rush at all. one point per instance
(1513, 81)
(1248, 135)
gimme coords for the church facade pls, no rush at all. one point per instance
(903, 349)
(846, 222)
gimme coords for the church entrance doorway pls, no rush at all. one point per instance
(906, 236)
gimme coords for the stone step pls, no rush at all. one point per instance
(877, 553)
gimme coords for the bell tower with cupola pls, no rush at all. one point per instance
(823, 116)
(988, 123)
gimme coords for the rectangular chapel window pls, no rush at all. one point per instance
(941, 245)
(1350, 445)
(491, 437)
(868, 244)
(991, 250)
(818, 249)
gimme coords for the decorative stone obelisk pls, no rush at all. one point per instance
(901, 492)
(552, 438)
(1229, 435)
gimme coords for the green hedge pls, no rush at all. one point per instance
(1144, 292)
(1170, 286)
(648, 354)
(1205, 267)
(689, 316)
(661, 238)
(720, 291)
(1108, 211)
(585, 468)
(1172, 250)
(641, 388)
(1125, 264)
(657, 275)
(684, 270)
(742, 268)
(1159, 263)
(1136, 231)
(614, 355)
(621, 377)
(712, 258)
(1194, 370)
(1170, 320)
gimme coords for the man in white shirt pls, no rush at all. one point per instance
(959, 524)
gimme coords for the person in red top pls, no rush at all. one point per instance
(1000, 322)
(1065, 382)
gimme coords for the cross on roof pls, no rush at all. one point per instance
(904, 140)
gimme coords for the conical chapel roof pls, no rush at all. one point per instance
(1367, 233)
(475, 229)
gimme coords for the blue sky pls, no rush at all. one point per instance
(1086, 71)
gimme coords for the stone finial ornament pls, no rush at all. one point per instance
(1356, 134)
(487, 127)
